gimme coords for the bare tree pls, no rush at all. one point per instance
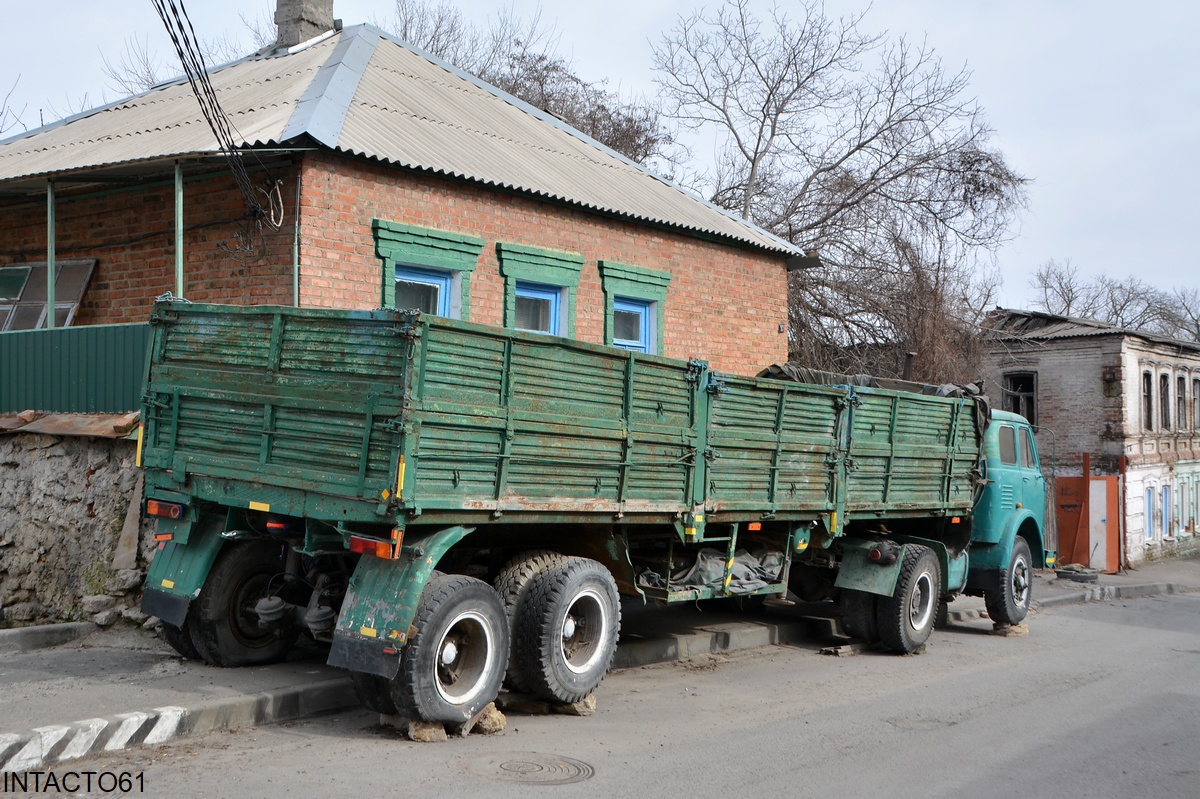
(521, 57)
(1128, 302)
(9, 118)
(865, 150)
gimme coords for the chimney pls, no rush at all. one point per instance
(301, 20)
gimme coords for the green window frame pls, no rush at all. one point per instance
(455, 254)
(520, 263)
(622, 281)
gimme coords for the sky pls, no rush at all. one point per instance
(1097, 102)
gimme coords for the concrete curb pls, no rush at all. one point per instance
(22, 639)
(46, 746)
(1108, 593)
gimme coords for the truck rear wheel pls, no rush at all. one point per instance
(906, 618)
(454, 665)
(1010, 603)
(374, 692)
(567, 630)
(180, 639)
(513, 585)
(859, 615)
(225, 628)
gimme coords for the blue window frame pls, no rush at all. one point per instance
(427, 290)
(631, 324)
(1166, 511)
(538, 308)
(1150, 513)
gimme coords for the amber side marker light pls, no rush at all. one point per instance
(168, 510)
(388, 550)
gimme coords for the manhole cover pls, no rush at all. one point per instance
(531, 768)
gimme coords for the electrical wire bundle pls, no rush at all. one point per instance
(183, 36)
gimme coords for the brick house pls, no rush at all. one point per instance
(1128, 399)
(380, 175)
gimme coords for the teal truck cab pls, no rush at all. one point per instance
(454, 507)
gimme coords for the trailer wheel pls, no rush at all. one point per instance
(374, 692)
(858, 615)
(1010, 603)
(453, 667)
(567, 630)
(513, 585)
(906, 618)
(225, 629)
(180, 639)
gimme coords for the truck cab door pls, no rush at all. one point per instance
(1033, 484)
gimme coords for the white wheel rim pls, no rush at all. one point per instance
(1020, 582)
(923, 603)
(463, 658)
(584, 631)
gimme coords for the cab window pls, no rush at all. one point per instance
(1008, 445)
(1028, 459)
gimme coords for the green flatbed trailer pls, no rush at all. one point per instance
(446, 502)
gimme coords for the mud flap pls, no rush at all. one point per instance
(859, 573)
(381, 601)
(178, 571)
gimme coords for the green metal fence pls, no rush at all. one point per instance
(91, 369)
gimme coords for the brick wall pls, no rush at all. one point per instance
(131, 235)
(724, 304)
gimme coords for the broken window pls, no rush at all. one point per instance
(1196, 404)
(1019, 392)
(1181, 403)
(23, 293)
(1164, 399)
(1147, 401)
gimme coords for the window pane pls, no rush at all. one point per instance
(627, 326)
(5, 312)
(1027, 450)
(534, 313)
(12, 280)
(26, 317)
(425, 297)
(1008, 445)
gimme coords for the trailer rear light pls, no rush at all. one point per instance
(164, 536)
(168, 510)
(753, 526)
(388, 550)
(276, 527)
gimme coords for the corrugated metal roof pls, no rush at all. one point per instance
(1004, 323)
(363, 92)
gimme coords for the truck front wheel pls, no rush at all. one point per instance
(225, 628)
(454, 665)
(906, 618)
(1010, 603)
(567, 630)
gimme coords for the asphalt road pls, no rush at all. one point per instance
(1100, 700)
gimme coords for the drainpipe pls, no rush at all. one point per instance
(51, 260)
(296, 245)
(179, 230)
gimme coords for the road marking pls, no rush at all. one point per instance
(85, 735)
(130, 724)
(168, 721)
(34, 753)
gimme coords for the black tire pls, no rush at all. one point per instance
(567, 630)
(180, 639)
(225, 628)
(1010, 603)
(454, 666)
(942, 620)
(512, 584)
(906, 618)
(858, 615)
(374, 692)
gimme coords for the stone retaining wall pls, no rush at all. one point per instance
(64, 502)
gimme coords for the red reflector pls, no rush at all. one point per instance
(371, 546)
(169, 510)
(277, 527)
(955, 520)
(754, 526)
(163, 537)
